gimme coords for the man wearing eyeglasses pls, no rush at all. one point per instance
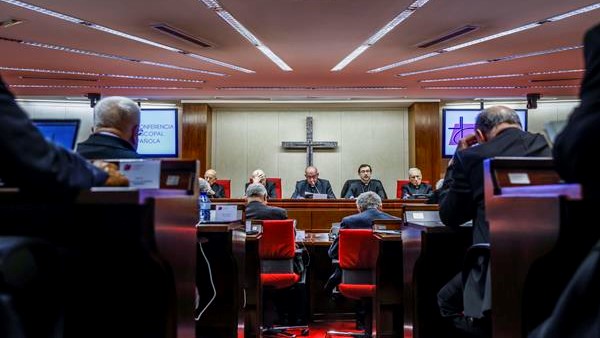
(312, 186)
(366, 183)
(116, 130)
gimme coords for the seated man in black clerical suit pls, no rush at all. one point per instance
(259, 176)
(116, 130)
(365, 184)
(498, 132)
(216, 190)
(312, 185)
(415, 188)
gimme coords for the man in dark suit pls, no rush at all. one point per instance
(216, 190)
(33, 164)
(415, 187)
(116, 130)
(498, 132)
(256, 204)
(575, 151)
(259, 176)
(365, 184)
(312, 185)
(369, 207)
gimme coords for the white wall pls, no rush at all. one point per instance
(244, 140)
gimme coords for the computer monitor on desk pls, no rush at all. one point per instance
(227, 212)
(169, 174)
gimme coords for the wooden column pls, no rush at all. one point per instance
(196, 134)
(425, 150)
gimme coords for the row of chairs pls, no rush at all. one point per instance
(226, 184)
(358, 251)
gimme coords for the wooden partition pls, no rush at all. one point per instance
(539, 233)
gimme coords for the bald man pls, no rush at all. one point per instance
(259, 176)
(312, 185)
(116, 130)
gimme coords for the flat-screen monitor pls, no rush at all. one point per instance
(61, 132)
(458, 123)
(158, 128)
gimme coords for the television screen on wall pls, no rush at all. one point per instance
(458, 123)
(158, 133)
(61, 132)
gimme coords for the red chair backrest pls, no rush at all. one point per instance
(400, 183)
(358, 249)
(277, 182)
(226, 184)
(278, 240)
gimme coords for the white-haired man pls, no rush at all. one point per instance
(116, 130)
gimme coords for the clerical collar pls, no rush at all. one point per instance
(108, 134)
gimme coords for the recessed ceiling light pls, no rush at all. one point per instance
(232, 21)
(108, 56)
(69, 72)
(482, 62)
(473, 87)
(405, 14)
(549, 72)
(122, 34)
(488, 38)
(98, 87)
(314, 88)
(555, 87)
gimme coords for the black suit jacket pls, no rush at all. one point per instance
(257, 210)
(408, 190)
(362, 220)
(270, 189)
(219, 191)
(321, 187)
(100, 146)
(463, 201)
(32, 163)
(357, 188)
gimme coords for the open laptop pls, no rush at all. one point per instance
(427, 218)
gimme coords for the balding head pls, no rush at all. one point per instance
(118, 115)
(493, 119)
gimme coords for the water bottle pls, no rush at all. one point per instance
(204, 206)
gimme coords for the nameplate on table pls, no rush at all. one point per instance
(226, 213)
(142, 174)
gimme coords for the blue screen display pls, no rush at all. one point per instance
(61, 132)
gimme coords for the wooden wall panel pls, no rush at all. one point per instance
(424, 123)
(196, 139)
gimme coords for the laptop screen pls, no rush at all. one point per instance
(61, 132)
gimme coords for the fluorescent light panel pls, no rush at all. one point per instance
(121, 34)
(482, 62)
(549, 72)
(314, 88)
(69, 72)
(488, 38)
(243, 31)
(109, 56)
(499, 87)
(405, 14)
(97, 87)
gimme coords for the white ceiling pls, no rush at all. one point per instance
(311, 36)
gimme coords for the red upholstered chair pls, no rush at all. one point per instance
(358, 251)
(226, 184)
(277, 249)
(400, 183)
(277, 182)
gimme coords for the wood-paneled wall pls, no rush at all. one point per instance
(196, 135)
(424, 138)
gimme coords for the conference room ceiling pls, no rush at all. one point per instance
(310, 36)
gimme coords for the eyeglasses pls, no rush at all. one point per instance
(312, 176)
(364, 171)
(140, 132)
